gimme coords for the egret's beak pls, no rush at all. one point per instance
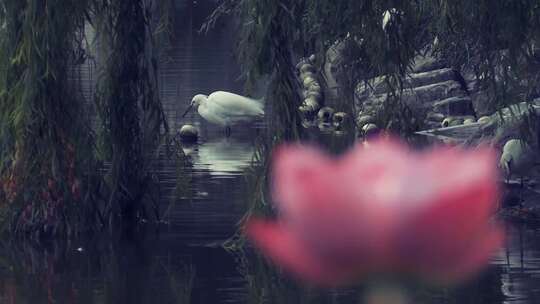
(189, 108)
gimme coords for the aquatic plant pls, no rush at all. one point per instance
(381, 211)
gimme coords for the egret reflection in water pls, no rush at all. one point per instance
(221, 157)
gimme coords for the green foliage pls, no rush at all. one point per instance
(495, 41)
(269, 34)
(49, 182)
(130, 110)
(45, 145)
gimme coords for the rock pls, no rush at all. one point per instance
(429, 93)
(307, 123)
(335, 58)
(370, 130)
(485, 120)
(306, 110)
(458, 134)
(311, 101)
(314, 86)
(518, 110)
(421, 97)
(364, 120)
(301, 62)
(451, 122)
(456, 105)
(426, 63)
(482, 99)
(310, 105)
(325, 114)
(339, 119)
(469, 121)
(432, 124)
(188, 134)
(314, 94)
(308, 81)
(436, 117)
(307, 74)
(307, 68)
(378, 85)
(325, 127)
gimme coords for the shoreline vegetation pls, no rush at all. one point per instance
(430, 71)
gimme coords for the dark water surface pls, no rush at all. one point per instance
(184, 263)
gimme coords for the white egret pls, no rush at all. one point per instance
(226, 109)
(517, 159)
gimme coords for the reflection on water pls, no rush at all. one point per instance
(520, 279)
(149, 271)
(221, 157)
(203, 200)
(164, 269)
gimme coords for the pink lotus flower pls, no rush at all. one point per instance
(381, 210)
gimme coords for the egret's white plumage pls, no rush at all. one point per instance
(226, 109)
(517, 158)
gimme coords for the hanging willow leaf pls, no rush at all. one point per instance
(46, 146)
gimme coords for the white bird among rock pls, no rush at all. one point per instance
(226, 109)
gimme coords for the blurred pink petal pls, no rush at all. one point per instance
(286, 250)
(381, 209)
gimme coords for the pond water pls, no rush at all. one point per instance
(183, 262)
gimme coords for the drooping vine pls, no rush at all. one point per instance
(130, 110)
(45, 140)
(494, 44)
